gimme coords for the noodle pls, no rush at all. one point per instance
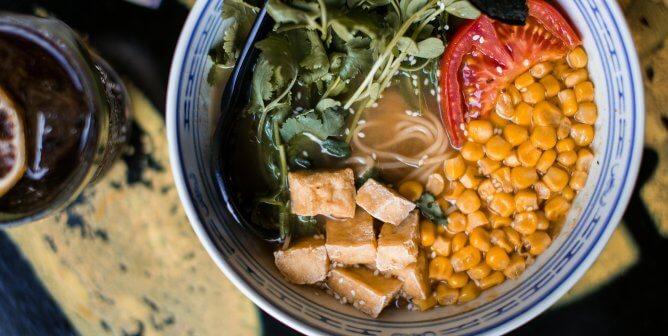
(403, 145)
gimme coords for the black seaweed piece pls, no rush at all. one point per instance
(512, 12)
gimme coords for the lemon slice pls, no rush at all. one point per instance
(12, 143)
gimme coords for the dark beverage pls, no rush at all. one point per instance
(74, 111)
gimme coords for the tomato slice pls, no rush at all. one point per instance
(485, 55)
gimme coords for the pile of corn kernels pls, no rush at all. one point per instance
(513, 179)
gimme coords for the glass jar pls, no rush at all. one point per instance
(76, 114)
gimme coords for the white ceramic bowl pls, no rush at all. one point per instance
(192, 111)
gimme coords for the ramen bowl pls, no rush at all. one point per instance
(193, 109)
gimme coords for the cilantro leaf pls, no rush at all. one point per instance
(262, 87)
(430, 209)
(358, 59)
(463, 9)
(322, 125)
(297, 12)
(241, 16)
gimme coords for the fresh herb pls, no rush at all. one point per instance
(239, 16)
(371, 173)
(430, 209)
(326, 62)
(514, 12)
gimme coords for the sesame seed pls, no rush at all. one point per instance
(341, 280)
(373, 156)
(361, 302)
(361, 122)
(361, 134)
(352, 292)
(482, 39)
(476, 37)
(374, 105)
(499, 70)
(525, 62)
(446, 27)
(432, 92)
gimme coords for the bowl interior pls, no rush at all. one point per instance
(193, 111)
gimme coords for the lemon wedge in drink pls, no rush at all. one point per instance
(12, 143)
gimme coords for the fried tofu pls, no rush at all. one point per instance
(365, 291)
(398, 245)
(415, 278)
(351, 241)
(303, 263)
(383, 203)
(323, 193)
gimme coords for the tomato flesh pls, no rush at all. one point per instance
(486, 55)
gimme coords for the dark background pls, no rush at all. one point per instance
(139, 43)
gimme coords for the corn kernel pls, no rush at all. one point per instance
(511, 160)
(523, 177)
(515, 134)
(456, 222)
(479, 271)
(577, 58)
(525, 222)
(524, 80)
(587, 113)
(584, 92)
(486, 190)
(546, 160)
(516, 267)
(491, 280)
(514, 237)
(427, 232)
(522, 114)
(528, 154)
(502, 179)
(498, 221)
(585, 158)
(542, 191)
(470, 179)
(556, 207)
(537, 242)
(440, 268)
(561, 69)
(526, 200)
(552, 86)
(446, 295)
(505, 107)
(458, 280)
(488, 166)
(497, 258)
(459, 241)
(543, 222)
(472, 151)
(426, 304)
(576, 77)
(498, 238)
(564, 128)
(555, 179)
(541, 70)
(534, 93)
(476, 219)
(442, 246)
(583, 134)
(502, 204)
(546, 114)
(565, 145)
(515, 95)
(568, 193)
(544, 137)
(479, 238)
(469, 292)
(435, 184)
(567, 158)
(578, 180)
(480, 130)
(454, 168)
(411, 190)
(465, 258)
(498, 121)
(497, 148)
(568, 102)
(452, 191)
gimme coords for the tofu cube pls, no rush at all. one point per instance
(365, 291)
(398, 245)
(383, 203)
(351, 241)
(303, 263)
(323, 193)
(415, 278)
